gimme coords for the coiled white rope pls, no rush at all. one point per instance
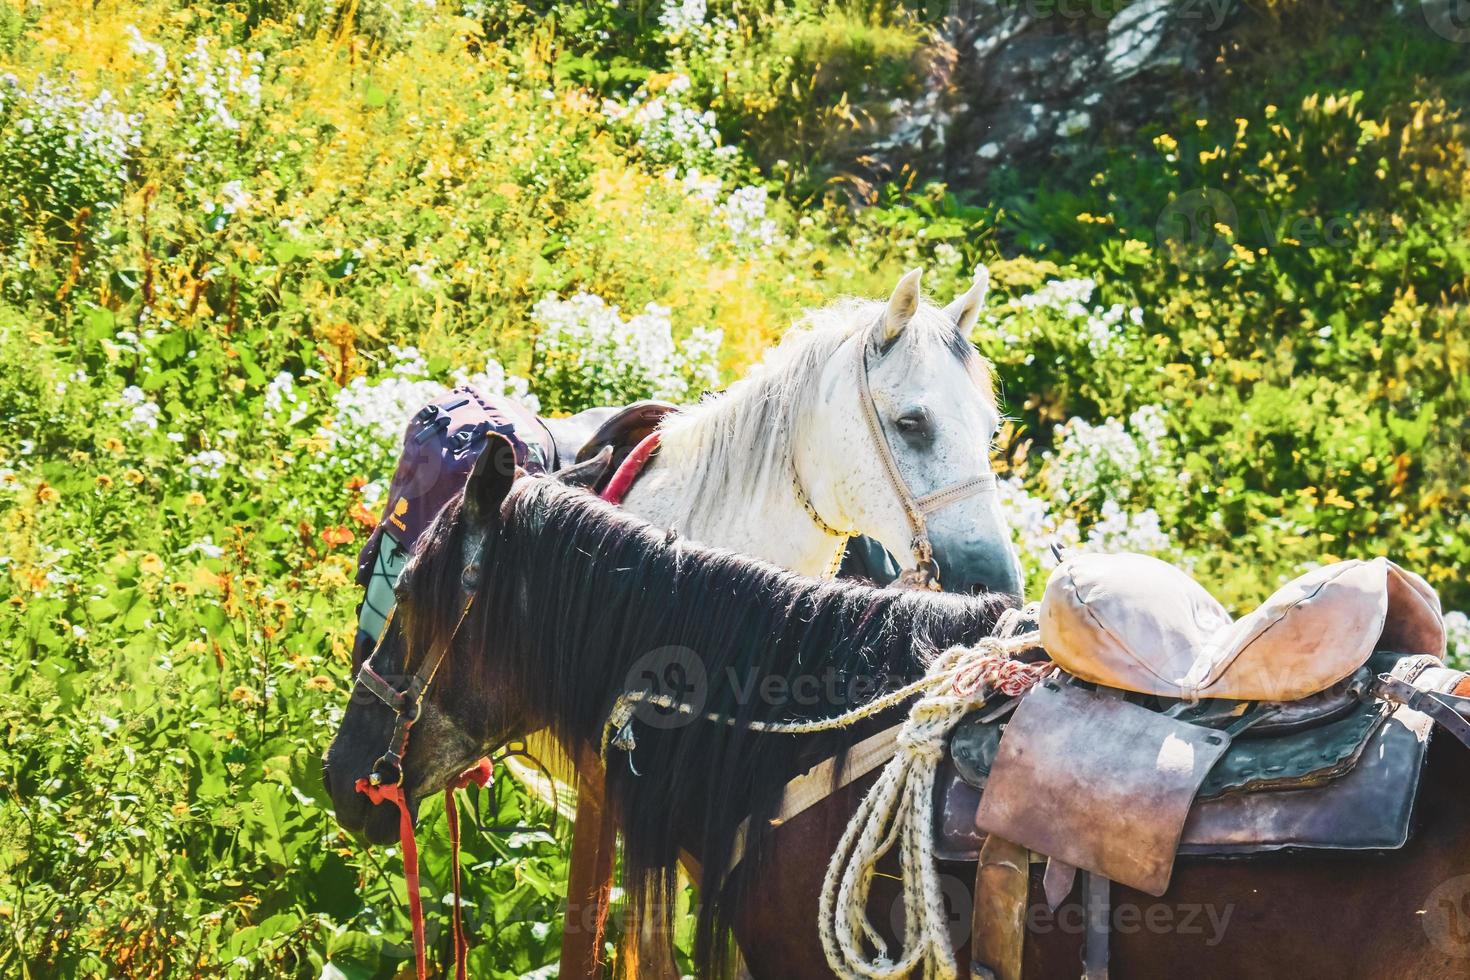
(897, 811)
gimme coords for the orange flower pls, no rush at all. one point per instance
(113, 444)
(150, 564)
(362, 515)
(321, 682)
(133, 476)
(334, 536)
(243, 695)
(47, 494)
(104, 481)
(356, 483)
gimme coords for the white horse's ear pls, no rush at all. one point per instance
(902, 305)
(965, 310)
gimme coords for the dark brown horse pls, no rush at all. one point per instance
(576, 603)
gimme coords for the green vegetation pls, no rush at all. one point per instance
(239, 242)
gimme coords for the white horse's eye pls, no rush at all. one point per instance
(914, 422)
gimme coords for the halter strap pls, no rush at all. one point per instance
(926, 570)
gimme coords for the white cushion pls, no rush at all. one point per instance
(1137, 623)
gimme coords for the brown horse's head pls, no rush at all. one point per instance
(461, 717)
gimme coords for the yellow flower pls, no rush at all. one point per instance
(321, 682)
(150, 564)
(194, 499)
(180, 809)
(132, 476)
(242, 695)
(113, 444)
(1270, 111)
(1166, 143)
(47, 494)
(104, 481)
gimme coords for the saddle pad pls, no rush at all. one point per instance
(1097, 782)
(440, 446)
(1368, 808)
(1138, 624)
(1301, 758)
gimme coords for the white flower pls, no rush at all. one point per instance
(206, 464)
(1118, 531)
(205, 546)
(1457, 633)
(599, 357)
(143, 412)
(744, 214)
(233, 197)
(681, 16)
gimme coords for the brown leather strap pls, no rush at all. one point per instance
(998, 925)
(1448, 710)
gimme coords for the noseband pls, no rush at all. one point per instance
(408, 703)
(925, 573)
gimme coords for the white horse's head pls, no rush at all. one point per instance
(933, 397)
(801, 425)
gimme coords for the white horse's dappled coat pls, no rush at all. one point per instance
(730, 472)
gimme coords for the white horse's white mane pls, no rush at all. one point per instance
(745, 437)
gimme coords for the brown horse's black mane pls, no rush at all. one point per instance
(578, 602)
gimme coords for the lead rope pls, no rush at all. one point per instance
(479, 774)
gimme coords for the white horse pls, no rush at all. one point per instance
(786, 463)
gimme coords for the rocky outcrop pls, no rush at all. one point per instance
(1022, 81)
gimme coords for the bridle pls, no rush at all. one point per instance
(384, 781)
(925, 573)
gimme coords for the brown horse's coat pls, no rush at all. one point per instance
(1402, 914)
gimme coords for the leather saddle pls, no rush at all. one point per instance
(579, 438)
(1173, 729)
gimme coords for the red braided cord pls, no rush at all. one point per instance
(478, 774)
(1010, 677)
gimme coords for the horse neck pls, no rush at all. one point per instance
(765, 519)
